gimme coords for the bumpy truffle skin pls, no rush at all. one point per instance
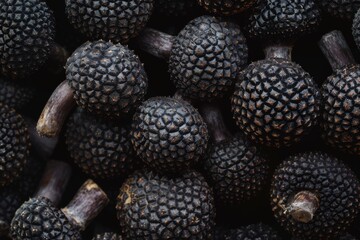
(356, 28)
(114, 20)
(344, 9)
(10, 201)
(275, 102)
(14, 145)
(151, 206)
(168, 134)
(38, 219)
(341, 109)
(27, 31)
(334, 184)
(14, 95)
(226, 7)
(100, 148)
(283, 19)
(175, 8)
(258, 231)
(206, 58)
(107, 236)
(236, 171)
(107, 79)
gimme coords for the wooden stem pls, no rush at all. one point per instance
(336, 50)
(54, 181)
(278, 51)
(156, 43)
(303, 206)
(88, 202)
(56, 111)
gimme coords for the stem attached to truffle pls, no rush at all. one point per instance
(278, 51)
(156, 43)
(88, 202)
(303, 206)
(336, 50)
(54, 181)
(211, 114)
(56, 111)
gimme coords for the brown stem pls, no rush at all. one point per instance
(156, 43)
(54, 181)
(303, 206)
(56, 111)
(278, 51)
(215, 122)
(57, 59)
(336, 50)
(88, 202)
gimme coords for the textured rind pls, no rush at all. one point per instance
(175, 8)
(283, 19)
(335, 185)
(10, 201)
(114, 20)
(14, 95)
(257, 231)
(236, 171)
(107, 236)
(107, 79)
(206, 58)
(341, 109)
(151, 206)
(356, 28)
(342, 236)
(226, 7)
(38, 219)
(14, 145)
(27, 31)
(276, 102)
(344, 9)
(101, 148)
(168, 134)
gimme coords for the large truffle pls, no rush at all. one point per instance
(226, 7)
(257, 231)
(344, 9)
(14, 94)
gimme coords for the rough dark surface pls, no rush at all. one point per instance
(344, 9)
(335, 185)
(236, 171)
(108, 236)
(206, 58)
(168, 134)
(258, 231)
(343, 236)
(38, 219)
(15, 95)
(341, 109)
(283, 19)
(102, 149)
(107, 79)
(356, 29)
(10, 201)
(14, 145)
(27, 30)
(28, 181)
(154, 207)
(114, 20)
(226, 7)
(275, 102)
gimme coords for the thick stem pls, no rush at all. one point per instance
(56, 111)
(156, 43)
(88, 202)
(336, 50)
(278, 51)
(215, 122)
(54, 181)
(303, 206)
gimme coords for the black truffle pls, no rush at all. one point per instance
(10, 201)
(14, 94)
(107, 236)
(344, 9)
(258, 231)
(226, 7)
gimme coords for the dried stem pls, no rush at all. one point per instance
(278, 51)
(303, 206)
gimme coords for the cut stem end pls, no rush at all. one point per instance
(303, 206)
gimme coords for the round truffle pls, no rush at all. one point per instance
(10, 201)
(206, 58)
(14, 145)
(151, 206)
(334, 185)
(257, 231)
(226, 7)
(107, 236)
(168, 134)
(114, 20)
(276, 102)
(107, 79)
(101, 148)
(341, 109)
(27, 31)
(37, 218)
(283, 19)
(344, 9)
(236, 171)
(15, 95)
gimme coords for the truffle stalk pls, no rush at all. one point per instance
(336, 50)
(303, 206)
(278, 51)
(56, 111)
(54, 181)
(156, 43)
(88, 202)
